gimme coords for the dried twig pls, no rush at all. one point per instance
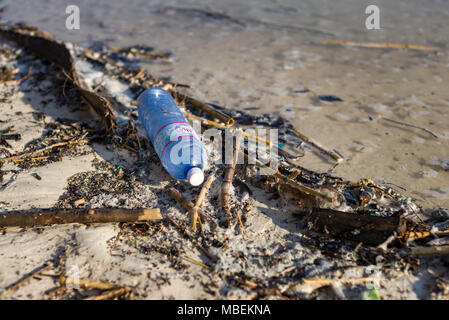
(199, 201)
(380, 45)
(412, 126)
(320, 150)
(247, 282)
(187, 204)
(20, 79)
(325, 282)
(228, 175)
(60, 216)
(206, 121)
(197, 262)
(211, 111)
(32, 153)
(87, 284)
(24, 281)
(111, 294)
(287, 270)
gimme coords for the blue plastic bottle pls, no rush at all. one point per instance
(177, 145)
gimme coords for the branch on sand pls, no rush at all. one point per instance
(61, 216)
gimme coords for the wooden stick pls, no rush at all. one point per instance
(110, 294)
(239, 218)
(411, 125)
(205, 266)
(187, 204)
(417, 235)
(87, 284)
(61, 216)
(25, 280)
(32, 153)
(247, 282)
(325, 282)
(229, 121)
(286, 270)
(179, 198)
(31, 159)
(55, 290)
(429, 250)
(199, 201)
(18, 80)
(381, 45)
(228, 175)
(321, 151)
(206, 121)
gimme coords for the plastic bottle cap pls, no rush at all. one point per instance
(195, 176)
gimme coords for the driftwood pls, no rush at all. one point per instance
(125, 291)
(371, 230)
(229, 174)
(61, 216)
(199, 201)
(46, 48)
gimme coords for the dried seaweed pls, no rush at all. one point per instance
(46, 48)
(52, 146)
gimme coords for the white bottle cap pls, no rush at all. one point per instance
(195, 176)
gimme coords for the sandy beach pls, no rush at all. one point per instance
(391, 127)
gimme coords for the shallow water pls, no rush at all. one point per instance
(262, 55)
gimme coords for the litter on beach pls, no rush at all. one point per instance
(128, 185)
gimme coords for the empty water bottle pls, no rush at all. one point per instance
(176, 143)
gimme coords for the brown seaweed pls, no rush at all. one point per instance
(48, 49)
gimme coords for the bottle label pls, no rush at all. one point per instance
(170, 133)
